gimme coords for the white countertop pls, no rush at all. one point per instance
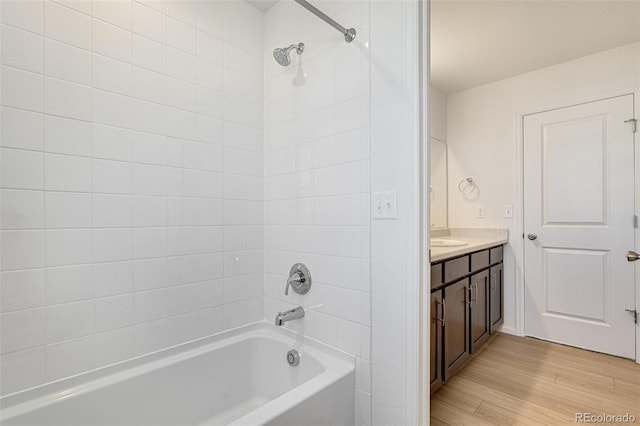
(475, 244)
(477, 239)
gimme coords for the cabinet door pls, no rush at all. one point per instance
(437, 311)
(479, 309)
(456, 326)
(496, 297)
(436, 275)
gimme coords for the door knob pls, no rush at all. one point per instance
(632, 256)
(532, 236)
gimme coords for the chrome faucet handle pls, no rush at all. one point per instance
(294, 281)
(299, 279)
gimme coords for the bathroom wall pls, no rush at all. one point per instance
(482, 136)
(438, 188)
(637, 204)
(132, 183)
(437, 113)
(396, 255)
(317, 178)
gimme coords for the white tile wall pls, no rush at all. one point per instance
(66, 136)
(138, 208)
(21, 49)
(23, 14)
(132, 180)
(317, 179)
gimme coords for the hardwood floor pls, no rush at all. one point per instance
(524, 381)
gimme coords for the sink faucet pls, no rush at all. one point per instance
(289, 315)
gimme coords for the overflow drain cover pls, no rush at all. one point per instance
(293, 357)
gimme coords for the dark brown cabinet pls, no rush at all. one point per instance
(496, 299)
(479, 307)
(479, 260)
(456, 268)
(466, 308)
(456, 326)
(436, 275)
(437, 312)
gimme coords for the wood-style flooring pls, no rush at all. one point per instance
(525, 381)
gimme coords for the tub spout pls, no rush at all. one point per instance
(289, 315)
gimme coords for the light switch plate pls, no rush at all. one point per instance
(480, 211)
(508, 212)
(385, 205)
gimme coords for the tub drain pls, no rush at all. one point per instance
(293, 357)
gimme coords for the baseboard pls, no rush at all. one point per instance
(508, 330)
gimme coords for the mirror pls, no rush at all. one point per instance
(438, 184)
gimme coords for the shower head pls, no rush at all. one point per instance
(281, 54)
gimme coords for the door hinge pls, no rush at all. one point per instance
(635, 220)
(634, 123)
(635, 314)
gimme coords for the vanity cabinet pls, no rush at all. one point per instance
(436, 275)
(466, 308)
(455, 268)
(456, 326)
(437, 317)
(496, 302)
(479, 307)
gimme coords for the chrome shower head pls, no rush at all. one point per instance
(281, 54)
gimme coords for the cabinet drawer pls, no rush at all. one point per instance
(479, 260)
(436, 275)
(496, 255)
(456, 268)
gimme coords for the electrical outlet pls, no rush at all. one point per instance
(508, 212)
(480, 212)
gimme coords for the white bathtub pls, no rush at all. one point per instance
(240, 377)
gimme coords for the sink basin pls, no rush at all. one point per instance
(446, 242)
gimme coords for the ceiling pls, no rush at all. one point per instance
(263, 5)
(477, 42)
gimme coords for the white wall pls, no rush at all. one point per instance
(437, 113)
(131, 180)
(317, 179)
(482, 136)
(395, 162)
(637, 176)
(438, 188)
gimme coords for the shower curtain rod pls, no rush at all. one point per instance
(349, 34)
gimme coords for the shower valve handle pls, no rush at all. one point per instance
(299, 279)
(294, 281)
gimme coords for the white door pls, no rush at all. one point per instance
(578, 224)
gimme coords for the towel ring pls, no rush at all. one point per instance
(468, 183)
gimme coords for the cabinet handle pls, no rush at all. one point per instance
(493, 281)
(444, 310)
(467, 292)
(474, 299)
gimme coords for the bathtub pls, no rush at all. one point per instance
(239, 377)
